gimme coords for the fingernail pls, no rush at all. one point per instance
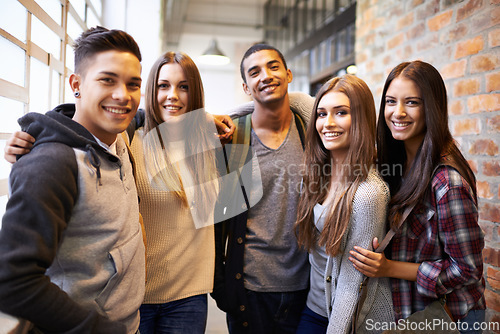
(227, 130)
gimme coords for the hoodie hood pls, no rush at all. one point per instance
(57, 126)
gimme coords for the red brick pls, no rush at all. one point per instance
(395, 41)
(431, 7)
(456, 108)
(377, 23)
(405, 21)
(415, 32)
(457, 31)
(361, 57)
(483, 63)
(416, 3)
(468, 9)
(469, 47)
(490, 231)
(454, 70)
(480, 22)
(491, 168)
(484, 147)
(491, 255)
(493, 276)
(468, 126)
(492, 82)
(493, 318)
(466, 87)
(483, 103)
(492, 300)
(428, 42)
(440, 21)
(367, 14)
(473, 165)
(491, 212)
(483, 190)
(494, 38)
(495, 16)
(395, 11)
(493, 124)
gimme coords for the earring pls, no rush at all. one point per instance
(77, 94)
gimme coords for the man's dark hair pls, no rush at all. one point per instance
(100, 39)
(256, 48)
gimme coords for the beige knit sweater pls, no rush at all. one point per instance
(180, 259)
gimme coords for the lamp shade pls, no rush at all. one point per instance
(213, 55)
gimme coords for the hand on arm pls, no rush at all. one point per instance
(18, 144)
(374, 264)
(225, 127)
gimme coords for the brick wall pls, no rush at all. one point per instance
(461, 39)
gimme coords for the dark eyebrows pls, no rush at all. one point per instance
(114, 75)
(269, 63)
(406, 98)
(336, 107)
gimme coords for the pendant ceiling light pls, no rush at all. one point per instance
(213, 55)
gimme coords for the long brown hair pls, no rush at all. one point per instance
(199, 152)
(437, 141)
(319, 166)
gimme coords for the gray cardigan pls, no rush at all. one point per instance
(342, 281)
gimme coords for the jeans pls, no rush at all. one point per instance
(312, 323)
(270, 312)
(466, 325)
(188, 315)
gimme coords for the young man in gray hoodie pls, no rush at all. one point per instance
(73, 257)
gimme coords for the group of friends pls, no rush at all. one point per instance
(111, 225)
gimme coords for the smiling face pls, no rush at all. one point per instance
(266, 77)
(404, 112)
(173, 91)
(110, 92)
(333, 123)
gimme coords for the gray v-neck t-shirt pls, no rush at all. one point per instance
(273, 261)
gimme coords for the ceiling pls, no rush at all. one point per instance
(229, 20)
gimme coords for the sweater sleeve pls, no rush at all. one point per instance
(461, 235)
(44, 190)
(368, 219)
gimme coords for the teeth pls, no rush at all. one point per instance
(172, 108)
(401, 124)
(332, 134)
(269, 88)
(117, 110)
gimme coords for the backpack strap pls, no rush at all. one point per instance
(301, 127)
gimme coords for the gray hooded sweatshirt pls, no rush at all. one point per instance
(72, 254)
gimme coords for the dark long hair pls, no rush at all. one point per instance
(319, 166)
(436, 144)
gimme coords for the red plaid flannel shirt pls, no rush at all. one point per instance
(442, 233)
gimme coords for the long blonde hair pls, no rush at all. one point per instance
(319, 167)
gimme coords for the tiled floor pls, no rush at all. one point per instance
(216, 323)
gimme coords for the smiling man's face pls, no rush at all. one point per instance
(110, 92)
(267, 78)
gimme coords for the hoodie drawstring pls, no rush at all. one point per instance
(94, 161)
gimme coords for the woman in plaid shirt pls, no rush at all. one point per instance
(438, 250)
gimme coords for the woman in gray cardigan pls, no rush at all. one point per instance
(343, 203)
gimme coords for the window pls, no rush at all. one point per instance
(37, 60)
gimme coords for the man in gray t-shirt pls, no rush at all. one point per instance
(262, 275)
